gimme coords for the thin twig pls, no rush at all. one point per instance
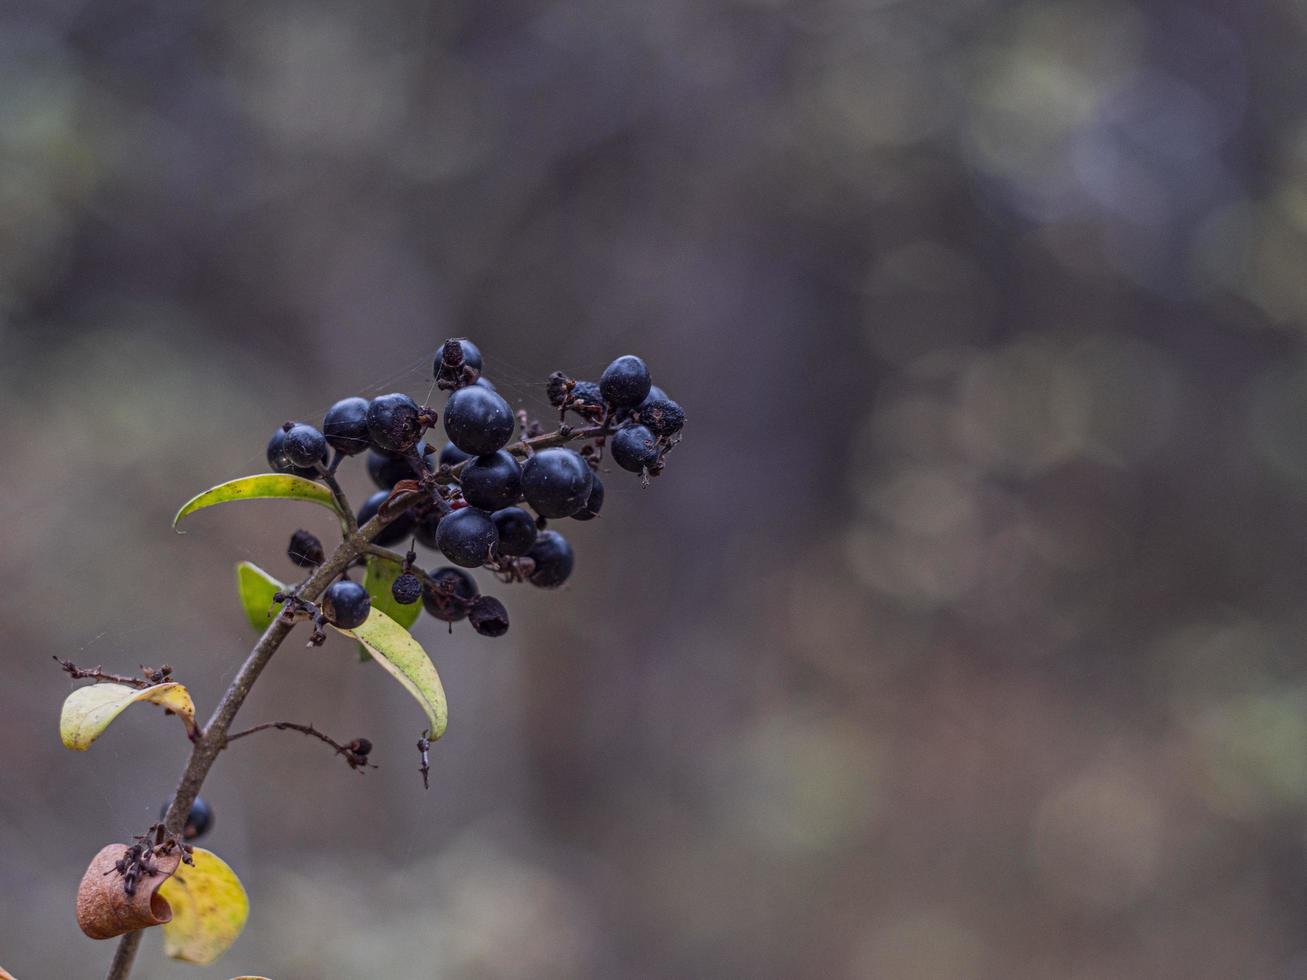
(342, 502)
(95, 673)
(356, 759)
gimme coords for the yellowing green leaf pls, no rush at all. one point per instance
(209, 909)
(256, 588)
(394, 648)
(264, 486)
(377, 579)
(88, 710)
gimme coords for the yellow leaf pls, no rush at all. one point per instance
(88, 710)
(264, 486)
(209, 909)
(6, 975)
(394, 648)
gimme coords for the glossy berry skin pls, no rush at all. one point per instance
(625, 382)
(346, 604)
(485, 383)
(467, 537)
(655, 394)
(198, 821)
(386, 470)
(451, 455)
(452, 604)
(556, 482)
(488, 616)
(593, 503)
(406, 589)
(394, 425)
(491, 482)
(280, 463)
(305, 550)
(304, 445)
(478, 421)
(553, 560)
(346, 426)
(634, 448)
(661, 416)
(517, 531)
(394, 532)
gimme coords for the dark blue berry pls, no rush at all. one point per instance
(488, 616)
(634, 448)
(394, 532)
(387, 469)
(625, 382)
(305, 549)
(661, 416)
(280, 462)
(452, 595)
(304, 446)
(552, 557)
(556, 482)
(485, 383)
(655, 394)
(593, 503)
(478, 420)
(394, 423)
(452, 455)
(198, 821)
(491, 482)
(471, 355)
(346, 604)
(467, 537)
(406, 589)
(517, 531)
(346, 426)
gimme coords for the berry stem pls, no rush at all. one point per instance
(213, 737)
(95, 673)
(280, 726)
(342, 502)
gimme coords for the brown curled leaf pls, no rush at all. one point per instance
(105, 910)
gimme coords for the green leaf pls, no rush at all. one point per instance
(256, 589)
(209, 909)
(404, 659)
(88, 711)
(264, 486)
(377, 579)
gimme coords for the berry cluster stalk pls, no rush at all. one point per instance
(213, 738)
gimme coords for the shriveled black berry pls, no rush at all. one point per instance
(346, 604)
(387, 469)
(553, 559)
(625, 382)
(517, 531)
(467, 537)
(556, 482)
(491, 482)
(407, 589)
(590, 510)
(488, 616)
(304, 446)
(199, 819)
(394, 423)
(280, 462)
(346, 426)
(471, 355)
(662, 416)
(634, 448)
(478, 421)
(452, 595)
(451, 454)
(305, 549)
(394, 532)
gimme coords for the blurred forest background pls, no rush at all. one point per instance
(963, 636)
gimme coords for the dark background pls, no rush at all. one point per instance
(963, 637)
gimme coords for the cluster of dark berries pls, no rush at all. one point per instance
(477, 500)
